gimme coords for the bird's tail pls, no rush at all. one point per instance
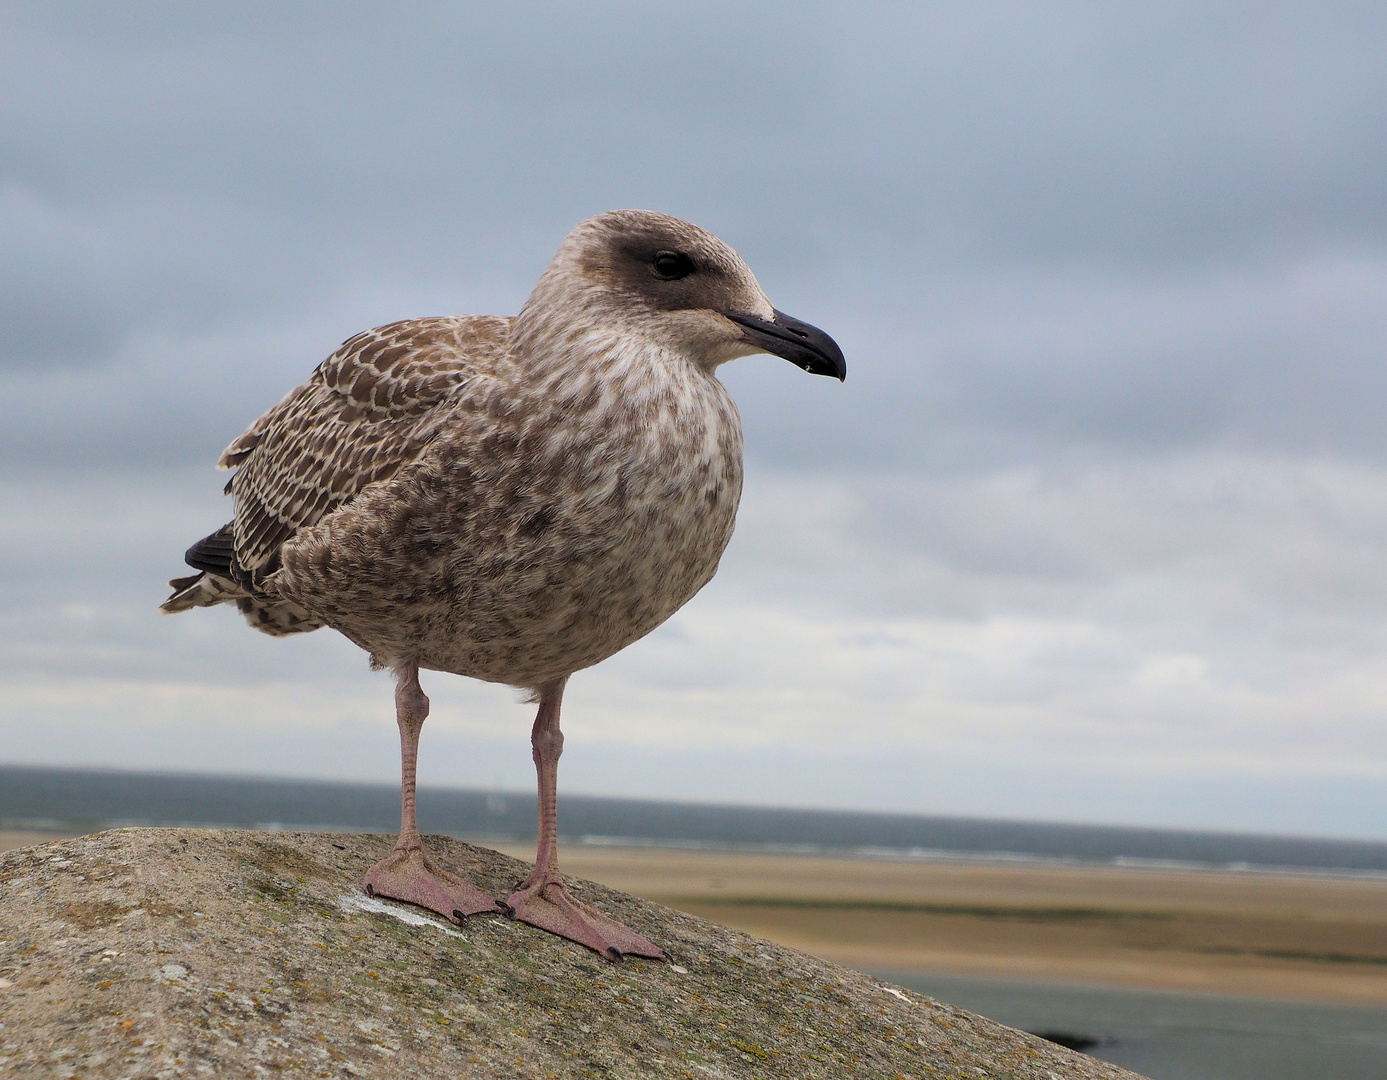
(271, 616)
(200, 590)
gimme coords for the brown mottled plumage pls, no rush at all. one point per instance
(510, 499)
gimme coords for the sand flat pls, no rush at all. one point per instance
(17, 838)
(1313, 938)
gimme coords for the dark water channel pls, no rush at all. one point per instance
(1174, 1036)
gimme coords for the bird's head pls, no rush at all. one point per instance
(677, 284)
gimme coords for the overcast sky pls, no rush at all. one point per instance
(1096, 530)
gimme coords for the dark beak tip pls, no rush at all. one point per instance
(806, 346)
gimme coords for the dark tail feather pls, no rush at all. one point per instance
(215, 554)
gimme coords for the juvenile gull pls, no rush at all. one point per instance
(513, 499)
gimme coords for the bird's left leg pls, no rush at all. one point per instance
(542, 900)
(408, 873)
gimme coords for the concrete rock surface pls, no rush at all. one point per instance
(228, 953)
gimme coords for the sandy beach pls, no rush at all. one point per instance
(1321, 939)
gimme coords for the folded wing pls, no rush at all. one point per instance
(367, 411)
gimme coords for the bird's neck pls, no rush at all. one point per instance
(582, 362)
(576, 338)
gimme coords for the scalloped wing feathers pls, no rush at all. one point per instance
(368, 410)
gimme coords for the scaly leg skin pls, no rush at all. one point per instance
(542, 900)
(408, 873)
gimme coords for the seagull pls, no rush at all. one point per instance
(510, 499)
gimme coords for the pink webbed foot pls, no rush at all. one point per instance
(408, 874)
(548, 906)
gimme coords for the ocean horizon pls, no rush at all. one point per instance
(53, 798)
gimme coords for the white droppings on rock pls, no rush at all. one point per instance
(375, 906)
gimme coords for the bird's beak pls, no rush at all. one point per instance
(803, 345)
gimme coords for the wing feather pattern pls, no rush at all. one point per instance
(369, 409)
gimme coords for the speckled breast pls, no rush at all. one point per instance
(528, 545)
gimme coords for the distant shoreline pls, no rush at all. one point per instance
(44, 831)
(81, 800)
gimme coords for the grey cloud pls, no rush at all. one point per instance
(171, 170)
(968, 371)
(1209, 543)
(963, 374)
(1013, 133)
(1143, 135)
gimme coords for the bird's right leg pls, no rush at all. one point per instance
(542, 899)
(408, 873)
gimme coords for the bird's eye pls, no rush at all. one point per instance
(672, 265)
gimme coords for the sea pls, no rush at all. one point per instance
(1159, 1034)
